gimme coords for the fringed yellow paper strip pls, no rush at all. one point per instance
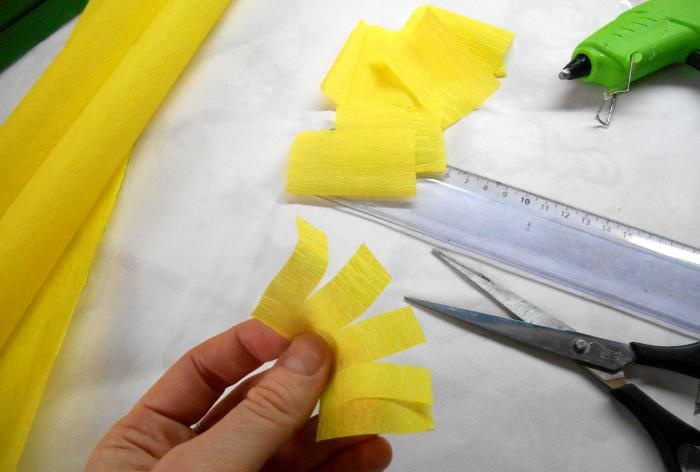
(62, 155)
(440, 70)
(362, 397)
(430, 146)
(359, 76)
(378, 162)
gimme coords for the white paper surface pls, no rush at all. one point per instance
(203, 223)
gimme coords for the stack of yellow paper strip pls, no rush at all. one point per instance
(62, 157)
(408, 85)
(363, 396)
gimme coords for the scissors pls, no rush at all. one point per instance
(603, 358)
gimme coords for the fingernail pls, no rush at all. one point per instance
(304, 356)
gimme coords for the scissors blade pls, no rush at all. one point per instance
(510, 301)
(590, 350)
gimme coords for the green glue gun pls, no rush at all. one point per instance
(640, 41)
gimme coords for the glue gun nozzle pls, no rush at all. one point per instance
(580, 66)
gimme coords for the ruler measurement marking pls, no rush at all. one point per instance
(569, 214)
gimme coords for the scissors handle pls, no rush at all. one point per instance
(684, 359)
(668, 431)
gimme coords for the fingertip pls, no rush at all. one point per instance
(375, 454)
(371, 455)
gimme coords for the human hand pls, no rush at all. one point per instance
(262, 425)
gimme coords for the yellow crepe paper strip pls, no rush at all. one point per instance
(63, 152)
(430, 152)
(379, 380)
(368, 415)
(439, 70)
(337, 303)
(353, 162)
(362, 397)
(441, 64)
(487, 42)
(293, 284)
(359, 75)
(377, 337)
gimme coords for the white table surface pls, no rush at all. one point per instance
(203, 223)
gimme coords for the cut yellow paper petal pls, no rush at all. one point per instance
(373, 415)
(28, 355)
(377, 337)
(361, 163)
(379, 380)
(487, 42)
(430, 145)
(42, 219)
(293, 284)
(348, 294)
(359, 75)
(439, 70)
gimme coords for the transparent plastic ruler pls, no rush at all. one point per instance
(621, 266)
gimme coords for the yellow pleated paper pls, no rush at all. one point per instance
(353, 162)
(359, 75)
(440, 70)
(62, 156)
(27, 356)
(362, 397)
(430, 152)
(82, 161)
(487, 42)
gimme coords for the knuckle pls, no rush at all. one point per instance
(272, 402)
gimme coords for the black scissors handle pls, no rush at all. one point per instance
(668, 431)
(684, 359)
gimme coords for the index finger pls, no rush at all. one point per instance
(193, 384)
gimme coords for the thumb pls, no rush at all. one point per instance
(272, 411)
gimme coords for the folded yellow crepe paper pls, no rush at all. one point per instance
(359, 75)
(487, 42)
(98, 43)
(362, 397)
(439, 69)
(353, 162)
(46, 212)
(430, 145)
(28, 355)
(62, 156)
